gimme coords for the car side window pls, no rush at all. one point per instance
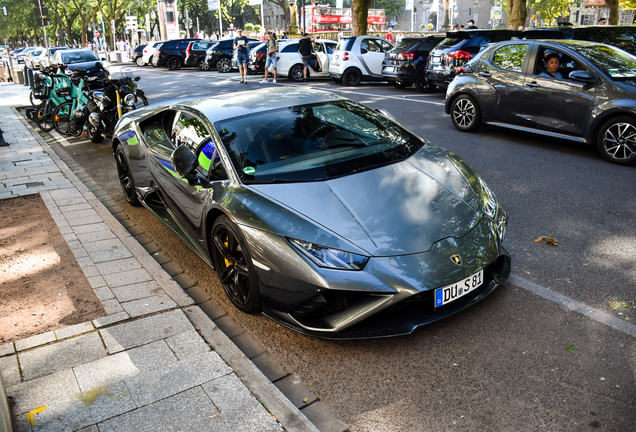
(210, 164)
(190, 131)
(510, 57)
(386, 47)
(290, 48)
(331, 47)
(364, 45)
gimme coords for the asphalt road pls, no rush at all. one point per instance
(502, 365)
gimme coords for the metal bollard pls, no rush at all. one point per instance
(3, 143)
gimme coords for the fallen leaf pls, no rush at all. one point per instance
(548, 240)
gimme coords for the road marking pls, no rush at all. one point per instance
(400, 98)
(582, 308)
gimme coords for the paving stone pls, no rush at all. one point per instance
(228, 392)
(95, 236)
(251, 417)
(198, 294)
(295, 391)
(84, 409)
(323, 418)
(92, 428)
(185, 280)
(6, 349)
(170, 380)
(123, 365)
(160, 256)
(10, 370)
(39, 392)
(213, 309)
(74, 330)
(33, 341)
(128, 277)
(97, 281)
(90, 271)
(84, 261)
(271, 367)
(75, 207)
(118, 266)
(109, 255)
(172, 268)
(110, 319)
(62, 355)
(134, 230)
(187, 344)
(112, 306)
(250, 346)
(189, 411)
(104, 293)
(112, 206)
(137, 291)
(152, 247)
(149, 305)
(228, 326)
(142, 238)
(80, 253)
(140, 332)
(84, 229)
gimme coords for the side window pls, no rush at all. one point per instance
(210, 162)
(510, 57)
(318, 47)
(189, 130)
(386, 47)
(290, 48)
(330, 48)
(364, 45)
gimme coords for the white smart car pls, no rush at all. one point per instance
(149, 50)
(358, 58)
(290, 64)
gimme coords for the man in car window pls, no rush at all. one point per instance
(305, 50)
(240, 45)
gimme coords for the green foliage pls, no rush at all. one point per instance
(249, 27)
(550, 10)
(391, 7)
(629, 4)
(257, 27)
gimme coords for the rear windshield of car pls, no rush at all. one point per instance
(448, 43)
(616, 63)
(406, 45)
(345, 44)
(313, 142)
(79, 57)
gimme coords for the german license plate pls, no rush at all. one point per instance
(459, 289)
(436, 60)
(389, 69)
(91, 78)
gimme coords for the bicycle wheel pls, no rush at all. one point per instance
(44, 116)
(62, 117)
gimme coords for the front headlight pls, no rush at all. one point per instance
(130, 99)
(327, 257)
(488, 200)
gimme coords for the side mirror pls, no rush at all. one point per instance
(98, 65)
(582, 76)
(184, 162)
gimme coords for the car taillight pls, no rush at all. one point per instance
(188, 50)
(344, 56)
(277, 58)
(406, 56)
(458, 55)
(260, 55)
(158, 53)
(145, 51)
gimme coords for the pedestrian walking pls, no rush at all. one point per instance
(389, 35)
(399, 37)
(305, 49)
(242, 54)
(471, 24)
(272, 55)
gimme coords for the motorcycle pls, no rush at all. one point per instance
(104, 108)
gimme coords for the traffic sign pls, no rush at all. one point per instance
(96, 33)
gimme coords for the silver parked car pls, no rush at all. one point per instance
(326, 215)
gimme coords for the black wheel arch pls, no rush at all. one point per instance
(468, 92)
(606, 116)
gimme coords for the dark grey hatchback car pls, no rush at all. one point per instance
(591, 98)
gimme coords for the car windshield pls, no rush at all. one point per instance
(448, 43)
(79, 57)
(616, 63)
(405, 45)
(313, 142)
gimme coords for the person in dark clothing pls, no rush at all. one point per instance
(305, 48)
(242, 54)
(471, 25)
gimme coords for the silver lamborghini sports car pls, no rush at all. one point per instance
(327, 216)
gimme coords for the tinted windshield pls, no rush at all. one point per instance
(79, 57)
(614, 62)
(405, 45)
(448, 43)
(314, 142)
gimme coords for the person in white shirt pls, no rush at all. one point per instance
(399, 37)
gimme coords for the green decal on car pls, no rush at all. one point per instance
(130, 138)
(249, 170)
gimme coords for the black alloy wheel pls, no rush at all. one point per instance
(398, 84)
(224, 65)
(140, 61)
(423, 85)
(352, 77)
(203, 65)
(616, 140)
(234, 266)
(125, 177)
(173, 63)
(296, 73)
(465, 114)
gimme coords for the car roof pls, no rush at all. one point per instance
(236, 104)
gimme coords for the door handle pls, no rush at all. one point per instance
(532, 84)
(484, 74)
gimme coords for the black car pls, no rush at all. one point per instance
(459, 48)
(575, 90)
(195, 54)
(82, 58)
(219, 56)
(258, 56)
(405, 64)
(172, 53)
(620, 36)
(137, 55)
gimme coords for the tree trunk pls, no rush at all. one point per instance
(518, 14)
(613, 12)
(360, 15)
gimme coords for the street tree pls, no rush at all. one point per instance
(114, 11)
(359, 16)
(517, 13)
(551, 10)
(63, 16)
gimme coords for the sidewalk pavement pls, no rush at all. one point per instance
(156, 361)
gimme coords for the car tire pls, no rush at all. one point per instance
(140, 62)
(203, 65)
(423, 85)
(296, 73)
(173, 63)
(126, 180)
(224, 65)
(616, 140)
(151, 61)
(234, 266)
(351, 77)
(465, 113)
(398, 84)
